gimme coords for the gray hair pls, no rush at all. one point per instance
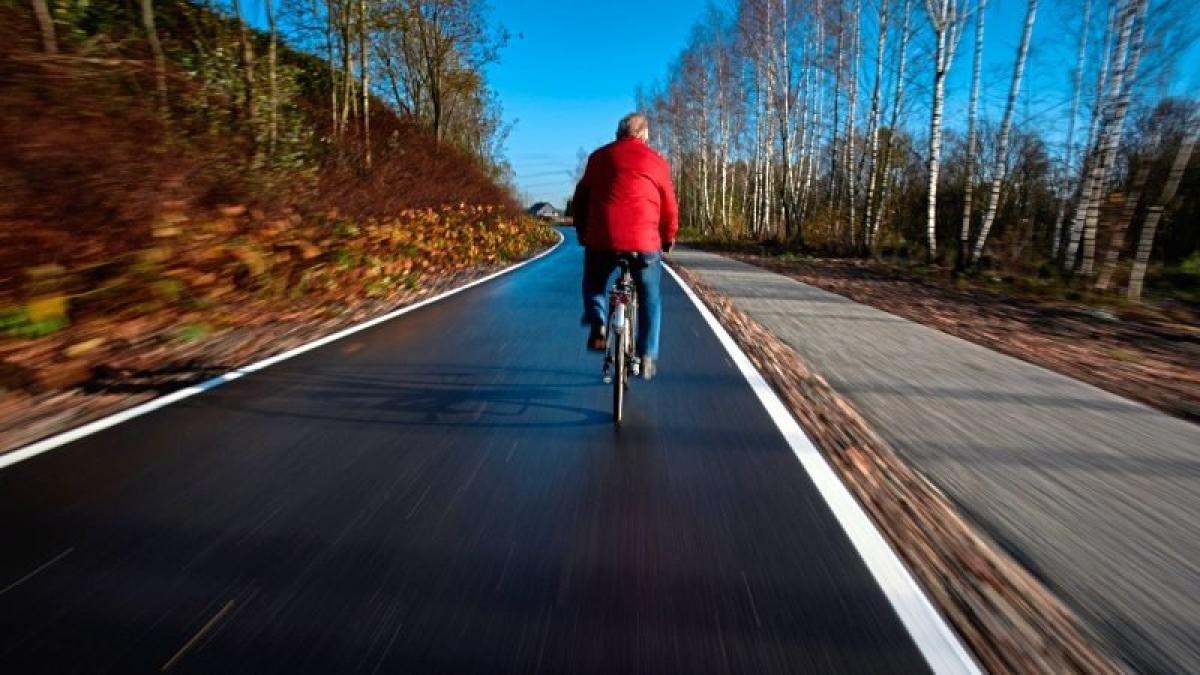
(634, 124)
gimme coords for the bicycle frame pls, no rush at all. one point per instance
(620, 360)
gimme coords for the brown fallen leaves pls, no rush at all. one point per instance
(221, 292)
(1011, 622)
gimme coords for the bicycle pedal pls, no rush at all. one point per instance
(607, 378)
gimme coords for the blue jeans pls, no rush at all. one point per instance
(599, 273)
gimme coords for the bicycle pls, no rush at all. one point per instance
(620, 359)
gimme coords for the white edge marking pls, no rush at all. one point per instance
(936, 640)
(58, 440)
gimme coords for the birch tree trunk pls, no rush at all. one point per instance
(1068, 169)
(1000, 168)
(972, 140)
(1124, 85)
(1146, 244)
(944, 15)
(1127, 213)
(160, 61)
(1114, 26)
(46, 25)
(851, 109)
(873, 131)
(897, 105)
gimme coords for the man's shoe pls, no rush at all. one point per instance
(597, 339)
(648, 368)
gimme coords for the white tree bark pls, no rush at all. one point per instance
(851, 114)
(945, 17)
(1137, 275)
(876, 110)
(1124, 85)
(1068, 168)
(1116, 15)
(972, 140)
(1127, 213)
(1000, 168)
(897, 106)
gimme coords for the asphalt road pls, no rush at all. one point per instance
(443, 493)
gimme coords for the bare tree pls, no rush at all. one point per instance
(946, 18)
(46, 25)
(897, 106)
(247, 59)
(1000, 167)
(364, 73)
(160, 61)
(873, 124)
(972, 140)
(1125, 64)
(1117, 242)
(273, 76)
(1137, 275)
(1068, 168)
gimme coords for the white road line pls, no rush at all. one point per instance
(198, 636)
(938, 643)
(34, 573)
(33, 449)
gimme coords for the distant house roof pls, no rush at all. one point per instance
(544, 210)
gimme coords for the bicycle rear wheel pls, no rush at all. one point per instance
(620, 374)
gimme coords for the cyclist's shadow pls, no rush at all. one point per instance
(433, 396)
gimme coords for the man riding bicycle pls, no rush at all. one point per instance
(625, 203)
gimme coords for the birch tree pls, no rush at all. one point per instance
(1069, 150)
(873, 124)
(1137, 275)
(897, 106)
(946, 19)
(1128, 52)
(972, 141)
(1001, 165)
(1117, 241)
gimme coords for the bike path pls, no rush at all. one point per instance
(1095, 494)
(444, 492)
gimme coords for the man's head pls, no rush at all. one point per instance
(634, 125)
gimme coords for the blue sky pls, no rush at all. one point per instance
(570, 72)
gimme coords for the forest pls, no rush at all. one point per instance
(822, 126)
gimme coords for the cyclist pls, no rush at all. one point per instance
(625, 203)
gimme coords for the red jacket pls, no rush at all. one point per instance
(625, 200)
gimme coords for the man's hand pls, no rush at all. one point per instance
(668, 246)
